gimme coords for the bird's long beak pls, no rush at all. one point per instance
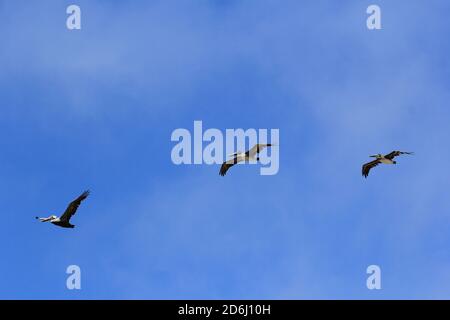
(374, 156)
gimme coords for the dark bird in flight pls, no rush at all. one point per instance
(379, 158)
(243, 156)
(64, 220)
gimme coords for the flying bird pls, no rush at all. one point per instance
(379, 158)
(64, 220)
(243, 156)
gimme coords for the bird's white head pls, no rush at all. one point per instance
(378, 156)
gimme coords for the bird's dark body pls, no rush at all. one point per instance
(64, 224)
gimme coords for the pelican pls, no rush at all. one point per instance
(379, 158)
(243, 156)
(63, 221)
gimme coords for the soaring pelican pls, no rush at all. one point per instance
(379, 158)
(70, 211)
(242, 156)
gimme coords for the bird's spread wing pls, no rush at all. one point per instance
(366, 167)
(394, 154)
(257, 149)
(73, 206)
(228, 164)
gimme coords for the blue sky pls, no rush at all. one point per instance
(95, 109)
